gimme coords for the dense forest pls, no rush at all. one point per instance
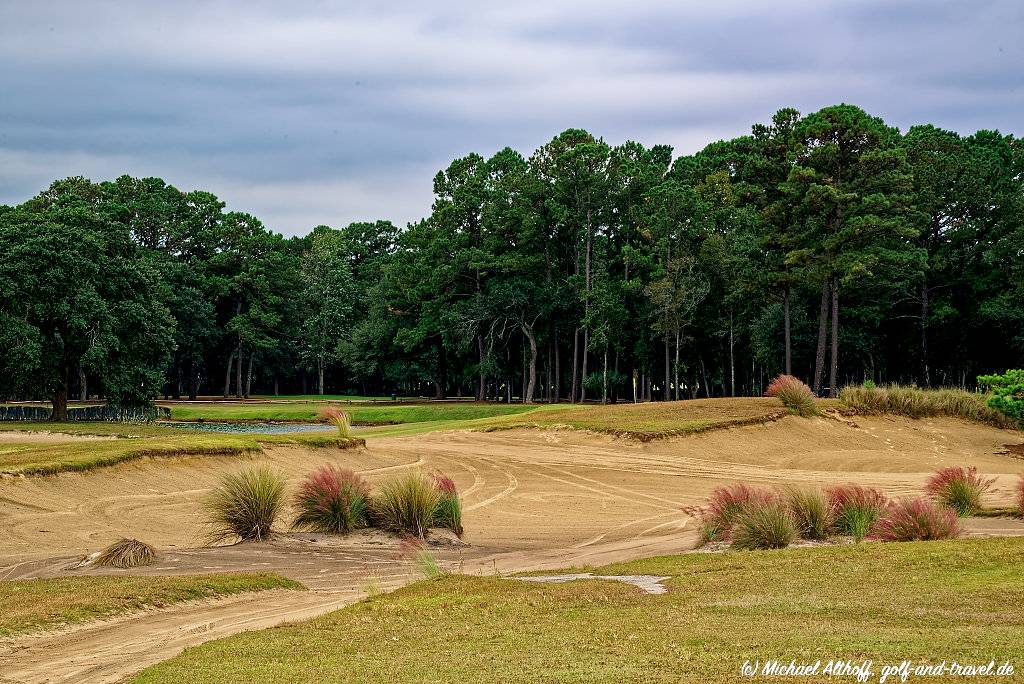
(830, 246)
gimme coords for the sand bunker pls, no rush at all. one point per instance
(533, 500)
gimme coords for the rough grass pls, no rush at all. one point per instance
(133, 442)
(126, 553)
(359, 414)
(885, 602)
(40, 604)
(405, 505)
(650, 420)
(914, 402)
(245, 505)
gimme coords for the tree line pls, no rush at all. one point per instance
(830, 246)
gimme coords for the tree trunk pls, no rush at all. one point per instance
(238, 371)
(704, 377)
(558, 370)
(227, 374)
(583, 372)
(819, 358)
(440, 386)
(83, 387)
(668, 365)
(60, 396)
(481, 388)
(832, 391)
(604, 381)
(320, 375)
(193, 382)
(732, 359)
(277, 387)
(675, 370)
(575, 365)
(531, 377)
(785, 325)
(248, 376)
(926, 380)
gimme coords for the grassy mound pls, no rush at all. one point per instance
(886, 602)
(40, 604)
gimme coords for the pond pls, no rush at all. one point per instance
(253, 427)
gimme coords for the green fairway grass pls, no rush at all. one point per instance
(922, 601)
(131, 441)
(40, 604)
(361, 414)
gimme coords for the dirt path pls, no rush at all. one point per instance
(533, 501)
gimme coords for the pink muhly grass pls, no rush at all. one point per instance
(918, 519)
(339, 418)
(724, 507)
(448, 512)
(794, 394)
(959, 488)
(856, 509)
(332, 500)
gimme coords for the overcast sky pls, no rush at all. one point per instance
(305, 113)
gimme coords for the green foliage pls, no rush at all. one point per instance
(405, 505)
(245, 505)
(1007, 393)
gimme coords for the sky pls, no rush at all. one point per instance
(308, 113)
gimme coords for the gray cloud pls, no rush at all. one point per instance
(330, 112)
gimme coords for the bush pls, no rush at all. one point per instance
(914, 402)
(339, 418)
(918, 520)
(856, 509)
(245, 504)
(405, 505)
(764, 525)
(724, 506)
(1007, 394)
(812, 512)
(126, 553)
(794, 394)
(959, 488)
(448, 512)
(332, 500)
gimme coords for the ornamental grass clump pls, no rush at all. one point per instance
(717, 517)
(959, 488)
(405, 505)
(794, 394)
(764, 524)
(448, 512)
(126, 553)
(332, 500)
(856, 509)
(339, 418)
(812, 512)
(918, 520)
(915, 402)
(245, 505)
